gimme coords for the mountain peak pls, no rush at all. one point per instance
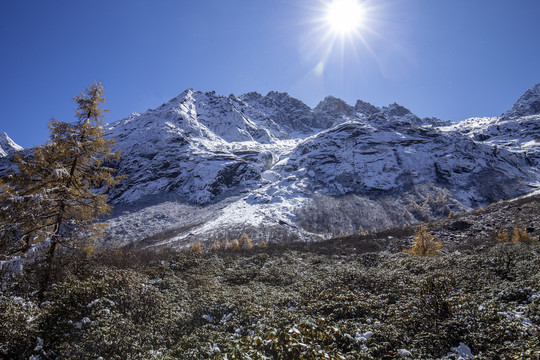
(331, 111)
(399, 114)
(277, 95)
(396, 110)
(365, 108)
(334, 104)
(250, 96)
(527, 104)
(275, 164)
(281, 99)
(8, 146)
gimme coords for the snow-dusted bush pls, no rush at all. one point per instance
(110, 313)
(18, 326)
(297, 300)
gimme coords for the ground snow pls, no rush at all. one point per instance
(460, 352)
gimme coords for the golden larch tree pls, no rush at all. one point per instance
(56, 193)
(425, 244)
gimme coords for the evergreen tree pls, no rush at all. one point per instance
(56, 193)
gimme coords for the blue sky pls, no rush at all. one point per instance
(451, 59)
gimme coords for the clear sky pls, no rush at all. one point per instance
(452, 59)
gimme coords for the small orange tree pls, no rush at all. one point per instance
(425, 244)
(245, 242)
(520, 235)
(502, 236)
(196, 248)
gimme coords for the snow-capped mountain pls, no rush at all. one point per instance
(205, 167)
(7, 146)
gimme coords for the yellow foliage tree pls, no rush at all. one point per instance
(425, 244)
(196, 248)
(520, 235)
(502, 236)
(235, 244)
(226, 244)
(245, 242)
(56, 193)
(361, 231)
(215, 246)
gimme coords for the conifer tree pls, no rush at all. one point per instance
(520, 235)
(56, 194)
(245, 242)
(425, 244)
(502, 236)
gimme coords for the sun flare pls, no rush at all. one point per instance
(344, 16)
(342, 32)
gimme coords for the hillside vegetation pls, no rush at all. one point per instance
(355, 297)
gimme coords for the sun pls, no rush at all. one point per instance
(345, 16)
(342, 32)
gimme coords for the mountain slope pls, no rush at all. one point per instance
(205, 166)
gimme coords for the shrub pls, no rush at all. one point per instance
(17, 327)
(433, 295)
(306, 340)
(284, 303)
(112, 313)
